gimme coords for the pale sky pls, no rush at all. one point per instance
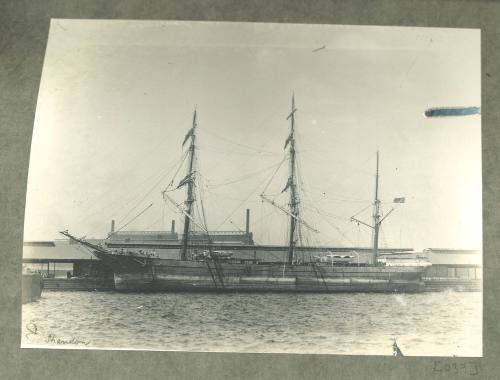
(117, 97)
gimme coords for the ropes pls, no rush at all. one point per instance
(144, 197)
(258, 150)
(327, 214)
(120, 200)
(338, 230)
(203, 214)
(246, 176)
(153, 187)
(245, 200)
(183, 158)
(276, 171)
(359, 212)
(227, 152)
(185, 154)
(142, 212)
(154, 223)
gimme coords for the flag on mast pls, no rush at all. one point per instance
(396, 351)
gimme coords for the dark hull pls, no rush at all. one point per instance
(136, 274)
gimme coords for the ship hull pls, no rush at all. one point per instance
(160, 275)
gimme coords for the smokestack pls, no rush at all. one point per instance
(173, 226)
(112, 225)
(248, 221)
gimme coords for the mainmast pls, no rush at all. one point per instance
(293, 210)
(376, 217)
(189, 180)
(292, 185)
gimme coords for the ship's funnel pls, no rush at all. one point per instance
(172, 229)
(112, 226)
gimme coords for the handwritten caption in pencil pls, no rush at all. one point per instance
(32, 330)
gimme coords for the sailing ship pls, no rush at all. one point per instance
(212, 270)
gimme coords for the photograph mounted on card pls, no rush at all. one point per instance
(254, 187)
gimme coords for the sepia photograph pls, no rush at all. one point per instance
(255, 187)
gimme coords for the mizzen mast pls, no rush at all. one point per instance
(292, 185)
(376, 216)
(189, 180)
(377, 220)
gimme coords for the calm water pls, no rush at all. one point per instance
(441, 324)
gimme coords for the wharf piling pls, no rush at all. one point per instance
(32, 285)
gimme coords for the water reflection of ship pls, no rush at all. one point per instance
(203, 264)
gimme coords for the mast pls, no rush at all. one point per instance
(293, 210)
(376, 217)
(377, 220)
(190, 185)
(291, 184)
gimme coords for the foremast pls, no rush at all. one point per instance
(189, 180)
(292, 185)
